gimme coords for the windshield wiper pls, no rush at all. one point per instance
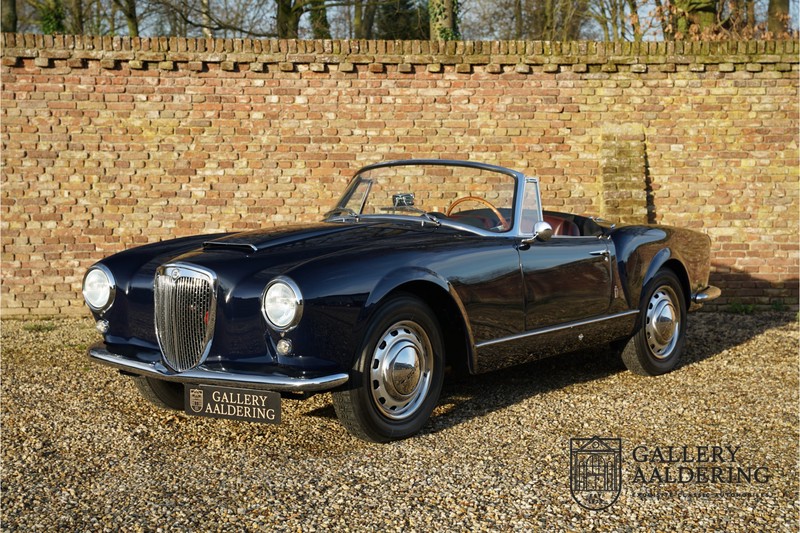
(413, 209)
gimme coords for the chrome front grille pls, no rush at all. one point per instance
(186, 308)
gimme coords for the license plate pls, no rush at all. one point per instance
(235, 404)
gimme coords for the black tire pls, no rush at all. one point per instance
(396, 381)
(164, 394)
(657, 345)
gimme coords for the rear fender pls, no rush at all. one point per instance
(656, 263)
(644, 250)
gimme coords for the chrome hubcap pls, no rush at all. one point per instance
(400, 373)
(662, 322)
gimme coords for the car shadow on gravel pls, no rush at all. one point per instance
(467, 397)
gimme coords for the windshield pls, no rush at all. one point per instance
(463, 196)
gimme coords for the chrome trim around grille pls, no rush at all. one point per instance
(213, 377)
(185, 313)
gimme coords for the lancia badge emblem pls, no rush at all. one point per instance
(595, 471)
(196, 400)
(175, 273)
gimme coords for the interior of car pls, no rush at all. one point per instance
(563, 224)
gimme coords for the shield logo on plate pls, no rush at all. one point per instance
(196, 400)
(595, 471)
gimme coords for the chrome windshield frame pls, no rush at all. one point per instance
(520, 183)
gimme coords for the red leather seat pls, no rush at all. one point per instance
(562, 226)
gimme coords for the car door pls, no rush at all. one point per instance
(565, 279)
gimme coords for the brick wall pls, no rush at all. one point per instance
(113, 142)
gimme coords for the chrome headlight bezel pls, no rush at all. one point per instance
(96, 305)
(284, 321)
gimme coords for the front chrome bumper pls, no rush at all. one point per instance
(207, 376)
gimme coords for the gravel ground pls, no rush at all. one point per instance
(80, 451)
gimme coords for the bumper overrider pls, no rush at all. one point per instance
(142, 364)
(706, 295)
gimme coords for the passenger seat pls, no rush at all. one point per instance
(562, 226)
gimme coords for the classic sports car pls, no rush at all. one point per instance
(422, 265)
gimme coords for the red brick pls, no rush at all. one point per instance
(127, 149)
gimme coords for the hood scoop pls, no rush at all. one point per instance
(223, 245)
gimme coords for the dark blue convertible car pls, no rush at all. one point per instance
(422, 265)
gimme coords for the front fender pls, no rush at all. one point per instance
(399, 277)
(440, 295)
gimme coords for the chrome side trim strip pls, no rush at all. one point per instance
(706, 295)
(551, 329)
(212, 377)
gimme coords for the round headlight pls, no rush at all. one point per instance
(99, 288)
(282, 304)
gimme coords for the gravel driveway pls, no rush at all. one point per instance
(80, 451)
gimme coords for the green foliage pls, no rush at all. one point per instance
(446, 29)
(739, 308)
(778, 305)
(402, 19)
(447, 34)
(52, 17)
(39, 327)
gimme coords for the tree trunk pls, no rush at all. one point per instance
(750, 6)
(637, 27)
(443, 20)
(288, 19)
(206, 7)
(9, 19)
(128, 9)
(319, 20)
(665, 19)
(518, 28)
(548, 20)
(76, 24)
(703, 13)
(369, 19)
(777, 15)
(364, 19)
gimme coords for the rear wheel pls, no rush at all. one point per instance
(396, 382)
(658, 343)
(164, 394)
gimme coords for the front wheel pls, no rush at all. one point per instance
(657, 345)
(398, 377)
(160, 393)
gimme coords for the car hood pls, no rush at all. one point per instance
(244, 263)
(280, 249)
(263, 239)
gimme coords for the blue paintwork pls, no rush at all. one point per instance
(483, 288)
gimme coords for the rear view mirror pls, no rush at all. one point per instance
(542, 231)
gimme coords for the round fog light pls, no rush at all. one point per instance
(102, 326)
(284, 347)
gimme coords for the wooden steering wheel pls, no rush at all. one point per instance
(503, 222)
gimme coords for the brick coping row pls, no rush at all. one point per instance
(520, 54)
